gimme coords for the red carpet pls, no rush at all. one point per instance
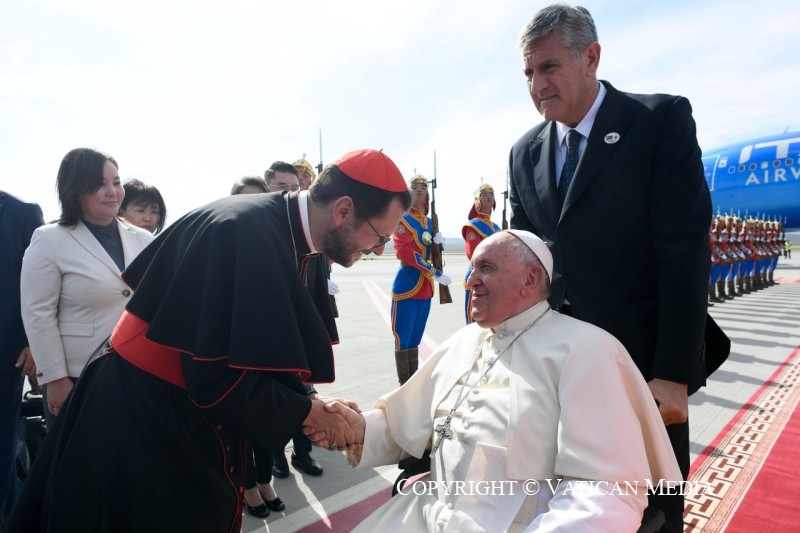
(349, 517)
(771, 502)
(751, 468)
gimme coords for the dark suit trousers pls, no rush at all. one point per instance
(10, 401)
(672, 504)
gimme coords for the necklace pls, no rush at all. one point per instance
(443, 430)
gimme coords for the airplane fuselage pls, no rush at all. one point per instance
(759, 177)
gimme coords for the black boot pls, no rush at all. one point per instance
(721, 291)
(731, 288)
(401, 361)
(413, 360)
(712, 295)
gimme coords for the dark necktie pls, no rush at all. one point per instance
(570, 164)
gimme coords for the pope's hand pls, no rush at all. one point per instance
(442, 279)
(438, 239)
(333, 288)
(349, 403)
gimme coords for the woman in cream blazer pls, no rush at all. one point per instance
(71, 291)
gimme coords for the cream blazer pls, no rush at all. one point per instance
(72, 294)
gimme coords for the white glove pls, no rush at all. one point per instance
(438, 239)
(333, 288)
(443, 279)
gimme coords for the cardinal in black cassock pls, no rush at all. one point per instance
(211, 352)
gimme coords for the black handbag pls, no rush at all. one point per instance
(32, 432)
(32, 405)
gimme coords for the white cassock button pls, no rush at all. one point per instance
(472, 408)
(485, 379)
(466, 425)
(450, 506)
(474, 391)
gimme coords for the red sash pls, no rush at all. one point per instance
(129, 342)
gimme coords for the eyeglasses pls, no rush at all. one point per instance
(291, 187)
(382, 239)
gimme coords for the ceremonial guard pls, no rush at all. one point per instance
(731, 250)
(305, 173)
(762, 255)
(722, 227)
(735, 283)
(756, 253)
(718, 262)
(775, 247)
(745, 233)
(412, 289)
(478, 228)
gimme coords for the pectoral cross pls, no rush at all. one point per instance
(443, 431)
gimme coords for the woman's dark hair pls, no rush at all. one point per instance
(252, 181)
(369, 201)
(81, 172)
(139, 193)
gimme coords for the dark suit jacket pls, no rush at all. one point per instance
(17, 222)
(630, 246)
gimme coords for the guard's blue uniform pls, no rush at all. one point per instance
(412, 289)
(474, 232)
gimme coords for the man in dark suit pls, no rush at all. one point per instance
(17, 222)
(614, 183)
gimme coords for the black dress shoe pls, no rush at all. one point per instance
(260, 511)
(307, 464)
(280, 468)
(274, 505)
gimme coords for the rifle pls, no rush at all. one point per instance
(505, 200)
(320, 167)
(436, 249)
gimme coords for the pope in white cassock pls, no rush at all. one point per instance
(523, 394)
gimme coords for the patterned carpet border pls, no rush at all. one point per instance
(731, 462)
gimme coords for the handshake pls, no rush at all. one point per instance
(336, 424)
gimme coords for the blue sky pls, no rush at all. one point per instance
(190, 96)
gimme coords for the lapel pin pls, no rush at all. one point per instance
(611, 138)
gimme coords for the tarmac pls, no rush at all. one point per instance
(764, 328)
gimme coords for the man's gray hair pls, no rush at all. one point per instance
(574, 22)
